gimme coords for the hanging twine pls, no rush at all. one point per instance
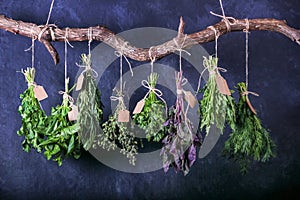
(66, 59)
(120, 53)
(152, 59)
(50, 11)
(224, 18)
(47, 26)
(90, 39)
(246, 31)
(179, 48)
(217, 35)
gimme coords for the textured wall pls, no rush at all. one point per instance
(274, 74)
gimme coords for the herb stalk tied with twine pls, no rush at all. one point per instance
(249, 140)
(215, 108)
(33, 117)
(152, 117)
(89, 105)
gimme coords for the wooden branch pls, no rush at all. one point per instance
(51, 33)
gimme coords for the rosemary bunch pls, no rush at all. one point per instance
(33, 117)
(249, 140)
(152, 117)
(215, 108)
(89, 105)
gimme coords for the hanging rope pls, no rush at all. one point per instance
(216, 68)
(246, 31)
(152, 59)
(50, 11)
(179, 48)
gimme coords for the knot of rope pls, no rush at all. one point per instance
(225, 19)
(179, 46)
(44, 28)
(67, 96)
(120, 52)
(246, 93)
(87, 68)
(246, 30)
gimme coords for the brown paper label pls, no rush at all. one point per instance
(40, 93)
(222, 85)
(79, 82)
(73, 113)
(139, 106)
(190, 99)
(123, 116)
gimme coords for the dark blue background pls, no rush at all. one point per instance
(274, 74)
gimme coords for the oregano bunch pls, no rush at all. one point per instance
(61, 134)
(215, 108)
(116, 133)
(89, 105)
(249, 140)
(33, 117)
(153, 115)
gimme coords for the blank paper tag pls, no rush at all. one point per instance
(222, 85)
(190, 98)
(72, 115)
(123, 116)
(139, 106)
(40, 93)
(79, 82)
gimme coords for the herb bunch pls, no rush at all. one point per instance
(179, 146)
(89, 106)
(215, 108)
(62, 138)
(152, 117)
(33, 117)
(117, 133)
(249, 140)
